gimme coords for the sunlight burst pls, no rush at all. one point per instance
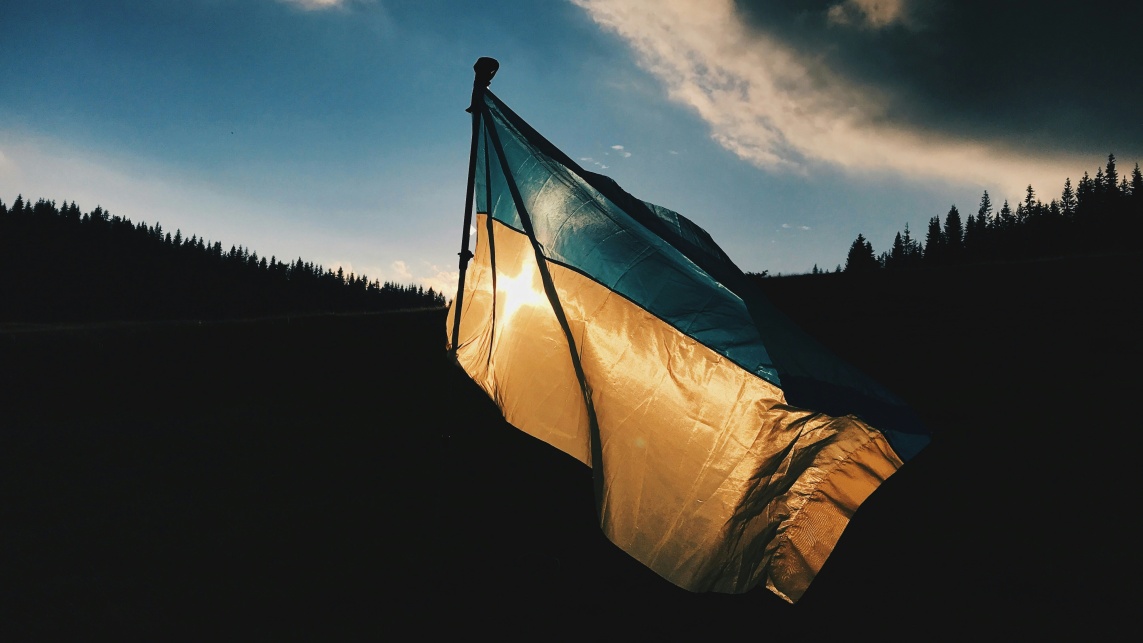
(519, 291)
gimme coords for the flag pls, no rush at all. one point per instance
(618, 332)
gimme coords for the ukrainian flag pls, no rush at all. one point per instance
(618, 332)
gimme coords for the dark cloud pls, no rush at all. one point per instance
(1034, 75)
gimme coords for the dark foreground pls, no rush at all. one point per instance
(336, 478)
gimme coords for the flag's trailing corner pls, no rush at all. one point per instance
(618, 332)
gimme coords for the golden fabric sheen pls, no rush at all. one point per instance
(709, 477)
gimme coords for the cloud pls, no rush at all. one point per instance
(430, 276)
(590, 160)
(345, 266)
(785, 91)
(400, 272)
(622, 152)
(315, 5)
(874, 14)
(440, 280)
(371, 273)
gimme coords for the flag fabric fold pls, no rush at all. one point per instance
(618, 332)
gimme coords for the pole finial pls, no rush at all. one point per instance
(485, 69)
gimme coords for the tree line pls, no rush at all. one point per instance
(60, 264)
(1102, 214)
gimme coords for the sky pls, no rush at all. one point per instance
(335, 130)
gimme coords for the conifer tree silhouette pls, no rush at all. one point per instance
(934, 243)
(861, 258)
(953, 235)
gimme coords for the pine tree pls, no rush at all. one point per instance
(953, 236)
(984, 212)
(912, 247)
(1134, 208)
(1005, 219)
(897, 258)
(1068, 200)
(1085, 196)
(934, 242)
(861, 258)
(1027, 209)
(1111, 178)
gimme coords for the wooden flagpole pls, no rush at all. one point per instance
(485, 68)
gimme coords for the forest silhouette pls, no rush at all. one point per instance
(60, 264)
(1102, 214)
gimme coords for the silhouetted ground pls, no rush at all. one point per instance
(336, 478)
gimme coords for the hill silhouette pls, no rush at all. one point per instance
(336, 477)
(60, 264)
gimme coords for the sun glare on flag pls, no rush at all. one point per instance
(519, 291)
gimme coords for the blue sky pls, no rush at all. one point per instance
(335, 130)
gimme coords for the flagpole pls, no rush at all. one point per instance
(485, 68)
